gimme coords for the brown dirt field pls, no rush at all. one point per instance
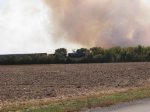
(23, 83)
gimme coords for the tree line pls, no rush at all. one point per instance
(93, 55)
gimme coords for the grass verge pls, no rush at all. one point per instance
(102, 100)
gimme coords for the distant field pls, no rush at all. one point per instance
(24, 83)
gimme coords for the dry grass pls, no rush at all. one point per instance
(101, 100)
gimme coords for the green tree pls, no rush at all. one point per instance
(123, 55)
(43, 59)
(59, 58)
(131, 56)
(61, 51)
(89, 57)
(97, 50)
(36, 59)
(108, 56)
(98, 58)
(10, 60)
(82, 50)
(50, 59)
(139, 49)
(148, 56)
(25, 60)
(69, 60)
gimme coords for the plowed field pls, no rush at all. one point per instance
(22, 83)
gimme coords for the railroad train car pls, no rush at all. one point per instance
(76, 55)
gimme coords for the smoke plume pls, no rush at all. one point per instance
(104, 23)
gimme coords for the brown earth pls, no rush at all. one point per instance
(23, 83)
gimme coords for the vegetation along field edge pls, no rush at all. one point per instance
(82, 55)
(70, 105)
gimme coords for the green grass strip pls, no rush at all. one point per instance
(94, 101)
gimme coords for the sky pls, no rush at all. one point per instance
(41, 26)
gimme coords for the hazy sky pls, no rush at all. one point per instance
(36, 26)
(26, 27)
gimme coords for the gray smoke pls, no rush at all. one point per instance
(104, 23)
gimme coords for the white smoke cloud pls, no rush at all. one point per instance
(23, 26)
